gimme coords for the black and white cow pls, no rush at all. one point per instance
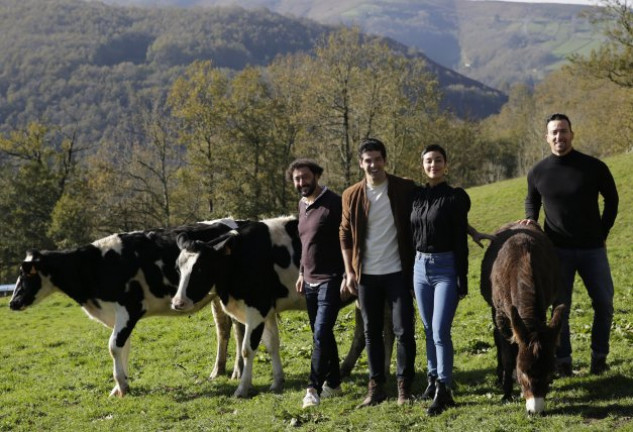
(253, 270)
(120, 279)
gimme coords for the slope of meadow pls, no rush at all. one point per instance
(56, 373)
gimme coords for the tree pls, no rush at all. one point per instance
(38, 163)
(358, 88)
(197, 101)
(239, 132)
(520, 123)
(333, 76)
(614, 59)
(156, 159)
(137, 176)
(72, 217)
(262, 140)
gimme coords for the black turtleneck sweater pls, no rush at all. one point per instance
(439, 221)
(568, 187)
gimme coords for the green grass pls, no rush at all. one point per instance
(56, 372)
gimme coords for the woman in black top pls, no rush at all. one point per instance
(439, 222)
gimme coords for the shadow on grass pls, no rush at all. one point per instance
(593, 412)
(225, 387)
(219, 387)
(588, 396)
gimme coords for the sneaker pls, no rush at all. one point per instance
(311, 398)
(563, 369)
(598, 365)
(329, 392)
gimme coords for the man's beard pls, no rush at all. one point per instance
(307, 192)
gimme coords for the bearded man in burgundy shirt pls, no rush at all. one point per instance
(320, 274)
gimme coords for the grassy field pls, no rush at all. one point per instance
(56, 371)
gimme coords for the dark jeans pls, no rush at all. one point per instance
(593, 267)
(324, 302)
(373, 292)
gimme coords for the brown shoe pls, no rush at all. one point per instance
(375, 394)
(404, 391)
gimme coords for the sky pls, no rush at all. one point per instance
(584, 2)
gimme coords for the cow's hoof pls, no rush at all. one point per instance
(119, 392)
(277, 388)
(243, 393)
(237, 374)
(216, 373)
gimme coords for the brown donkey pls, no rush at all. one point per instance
(520, 279)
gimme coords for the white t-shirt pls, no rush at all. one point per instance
(380, 255)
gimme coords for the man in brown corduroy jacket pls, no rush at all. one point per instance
(378, 253)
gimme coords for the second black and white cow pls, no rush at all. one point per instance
(120, 279)
(253, 270)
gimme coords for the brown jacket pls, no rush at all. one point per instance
(354, 222)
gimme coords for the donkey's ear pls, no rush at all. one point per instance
(520, 331)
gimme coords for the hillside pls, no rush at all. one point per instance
(497, 43)
(57, 371)
(88, 66)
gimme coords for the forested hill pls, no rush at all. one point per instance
(85, 65)
(498, 43)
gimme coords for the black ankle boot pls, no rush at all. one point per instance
(429, 393)
(442, 400)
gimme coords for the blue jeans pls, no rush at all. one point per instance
(435, 285)
(373, 292)
(593, 267)
(324, 302)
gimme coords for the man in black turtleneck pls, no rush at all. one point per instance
(568, 183)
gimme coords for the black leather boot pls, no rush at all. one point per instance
(429, 393)
(442, 400)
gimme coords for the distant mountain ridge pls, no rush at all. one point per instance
(494, 42)
(86, 64)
